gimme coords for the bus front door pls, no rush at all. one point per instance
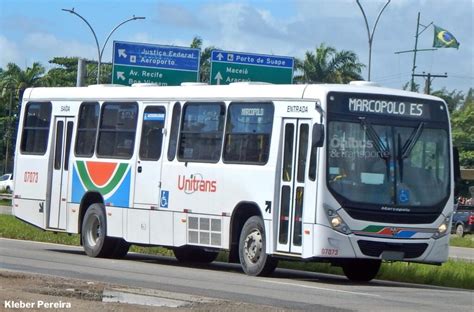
(292, 184)
(57, 207)
(148, 168)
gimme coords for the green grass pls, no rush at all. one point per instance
(5, 202)
(466, 241)
(458, 274)
(10, 227)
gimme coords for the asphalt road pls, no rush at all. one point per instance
(286, 289)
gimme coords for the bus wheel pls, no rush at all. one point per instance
(361, 270)
(460, 230)
(194, 254)
(94, 233)
(252, 255)
(120, 249)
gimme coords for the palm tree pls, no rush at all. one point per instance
(16, 79)
(329, 66)
(205, 62)
(13, 82)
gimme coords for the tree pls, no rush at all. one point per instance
(64, 74)
(454, 99)
(407, 86)
(205, 61)
(14, 78)
(13, 82)
(462, 122)
(328, 65)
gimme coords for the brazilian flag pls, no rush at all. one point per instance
(444, 39)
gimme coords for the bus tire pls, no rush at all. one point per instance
(121, 249)
(194, 254)
(94, 233)
(361, 270)
(252, 243)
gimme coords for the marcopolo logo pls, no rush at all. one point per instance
(196, 183)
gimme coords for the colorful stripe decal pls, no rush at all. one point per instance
(394, 232)
(111, 180)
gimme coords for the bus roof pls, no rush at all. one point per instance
(205, 92)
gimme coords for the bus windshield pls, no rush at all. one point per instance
(387, 164)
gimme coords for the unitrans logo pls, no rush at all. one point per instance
(196, 183)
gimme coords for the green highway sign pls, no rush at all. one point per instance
(227, 67)
(151, 63)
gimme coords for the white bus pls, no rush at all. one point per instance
(347, 174)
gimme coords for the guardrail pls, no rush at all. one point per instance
(5, 196)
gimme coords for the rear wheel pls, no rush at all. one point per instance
(194, 254)
(361, 270)
(253, 258)
(460, 230)
(94, 233)
(121, 248)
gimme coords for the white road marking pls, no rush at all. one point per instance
(322, 288)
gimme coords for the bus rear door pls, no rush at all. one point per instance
(292, 184)
(63, 127)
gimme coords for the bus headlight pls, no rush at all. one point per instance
(336, 221)
(443, 228)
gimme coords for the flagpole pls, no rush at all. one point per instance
(412, 84)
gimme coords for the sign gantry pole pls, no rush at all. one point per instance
(369, 34)
(99, 51)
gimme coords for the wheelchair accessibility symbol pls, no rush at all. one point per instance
(164, 199)
(404, 196)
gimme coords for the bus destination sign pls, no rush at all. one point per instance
(384, 105)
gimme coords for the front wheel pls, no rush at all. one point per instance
(361, 270)
(253, 258)
(460, 230)
(94, 233)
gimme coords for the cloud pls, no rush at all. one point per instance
(178, 16)
(10, 53)
(48, 46)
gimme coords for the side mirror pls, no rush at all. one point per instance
(318, 135)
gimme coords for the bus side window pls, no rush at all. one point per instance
(152, 135)
(117, 129)
(34, 137)
(201, 132)
(248, 132)
(174, 131)
(87, 129)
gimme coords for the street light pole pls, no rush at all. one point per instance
(371, 35)
(101, 51)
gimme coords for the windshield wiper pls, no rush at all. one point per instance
(405, 151)
(380, 147)
(410, 143)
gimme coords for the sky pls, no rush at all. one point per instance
(38, 30)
